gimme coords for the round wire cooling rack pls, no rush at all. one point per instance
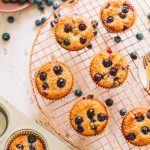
(129, 95)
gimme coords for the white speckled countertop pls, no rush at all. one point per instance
(14, 61)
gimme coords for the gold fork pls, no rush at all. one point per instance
(146, 62)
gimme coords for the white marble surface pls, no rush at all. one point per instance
(14, 62)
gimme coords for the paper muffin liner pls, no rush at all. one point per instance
(106, 126)
(26, 132)
(113, 31)
(69, 49)
(121, 128)
(42, 95)
(108, 88)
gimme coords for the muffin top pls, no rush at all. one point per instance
(26, 142)
(136, 126)
(54, 80)
(109, 70)
(118, 15)
(89, 116)
(73, 32)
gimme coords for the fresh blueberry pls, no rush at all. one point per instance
(57, 15)
(134, 55)
(83, 40)
(113, 71)
(20, 146)
(40, 6)
(107, 63)
(43, 76)
(89, 46)
(37, 22)
(32, 147)
(122, 15)
(145, 130)
(67, 28)
(90, 113)
(131, 136)
(58, 70)
(45, 86)
(49, 2)
(21, 1)
(123, 112)
(139, 118)
(82, 26)
(56, 4)
(109, 102)
(101, 117)
(10, 19)
(78, 120)
(31, 138)
(98, 77)
(148, 114)
(43, 19)
(95, 33)
(80, 129)
(66, 42)
(78, 92)
(139, 36)
(125, 9)
(117, 39)
(110, 19)
(6, 36)
(61, 82)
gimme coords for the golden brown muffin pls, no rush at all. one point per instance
(73, 32)
(54, 80)
(89, 116)
(26, 142)
(136, 126)
(118, 15)
(109, 70)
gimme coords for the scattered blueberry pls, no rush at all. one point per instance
(78, 92)
(145, 130)
(57, 15)
(122, 15)
(10, 19)
(109, 102)
(58, 70)
(43, 19)
(31, 138)
(113, 71)
(134, 55)
(82, 26)
(131, 136)
(101, 117)
(6, 36)
(61, 82)
(32, 147)
(49, 2)
(107, 63)
(45, 86)
(117, 39)
(125, 9)
(94, 23)
(67, 28)
(123, 112)
(43, 76)
(95, 33)
(139, 36)
(78, 120)
(89, 46)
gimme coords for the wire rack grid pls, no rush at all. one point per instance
(129, 95)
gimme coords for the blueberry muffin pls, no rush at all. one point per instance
(73, 32)
(118, 15)
(89, 116)
(54, 80)
(109, 70)
(26, 141)
(136, 126)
